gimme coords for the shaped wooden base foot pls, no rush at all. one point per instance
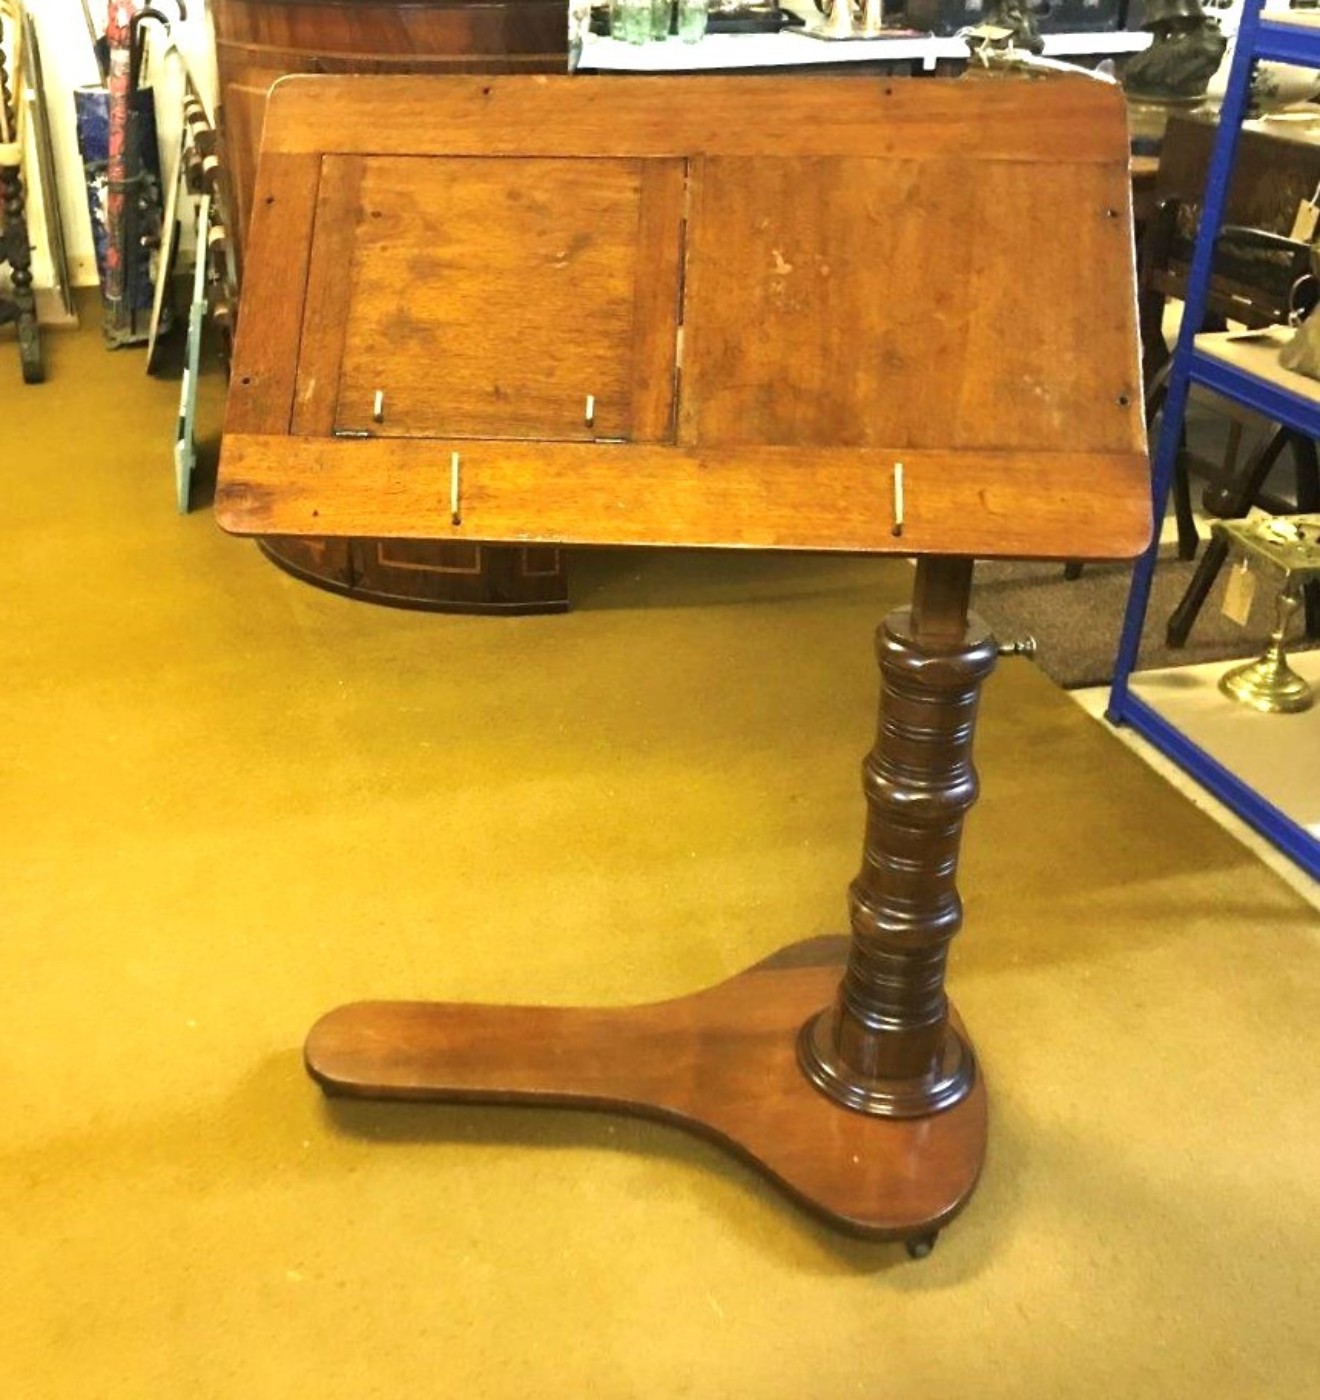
(721, 1063)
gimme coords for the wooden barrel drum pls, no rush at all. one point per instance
(260, 41)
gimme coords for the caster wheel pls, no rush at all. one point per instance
(920, 1247)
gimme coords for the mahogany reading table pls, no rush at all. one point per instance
(826, 314)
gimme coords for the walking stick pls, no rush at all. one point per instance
(117, 323)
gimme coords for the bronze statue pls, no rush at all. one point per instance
(1186, 51)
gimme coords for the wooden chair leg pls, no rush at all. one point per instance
(1188, 539)
(1234, 447)
(1244, 494)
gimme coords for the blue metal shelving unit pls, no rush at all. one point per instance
(1257, 38)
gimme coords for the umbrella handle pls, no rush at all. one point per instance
(137, 40)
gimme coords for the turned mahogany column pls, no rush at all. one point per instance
(886, 1046)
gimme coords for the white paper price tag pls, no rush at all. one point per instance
(1239, 593)
(1306, 222)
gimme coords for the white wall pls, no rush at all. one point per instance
(67, 59)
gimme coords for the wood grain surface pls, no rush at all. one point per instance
(1080, 506)
(1059, 121)
(720, 1063)
(325, 325)
(523, 281)
(775, 292)
(267, 346)
(890, 308)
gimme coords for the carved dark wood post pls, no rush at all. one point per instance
(14, 236)
(886, 1046)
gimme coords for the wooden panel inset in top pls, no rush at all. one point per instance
(275, 281)
(493, 298)
(325, 313)
(949, 302)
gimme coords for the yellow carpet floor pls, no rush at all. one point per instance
(229, 801)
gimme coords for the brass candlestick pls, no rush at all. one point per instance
(1270, 684)
(1286, 546)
